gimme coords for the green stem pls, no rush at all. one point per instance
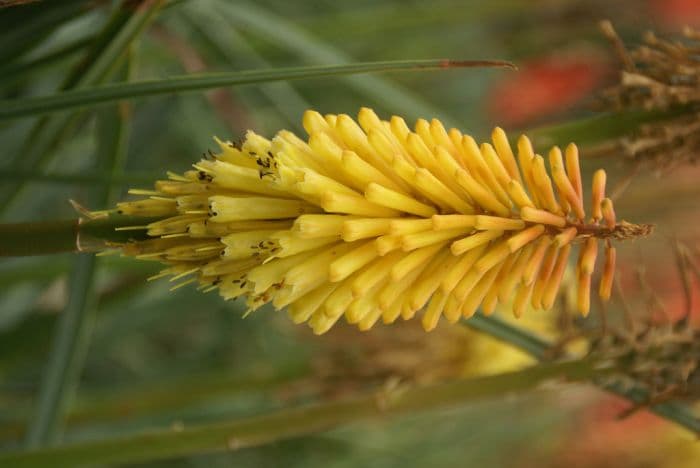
(70, 235)
(295, 422)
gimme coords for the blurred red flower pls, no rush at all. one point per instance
(544, 86)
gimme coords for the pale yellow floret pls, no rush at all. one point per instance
(565, 237)
(606, 280)
(608, 212)
(399, 227)
(478, 292)
(552, 287)
(463, 245)
(290, 243)
(377, 271)
(234, 177)
(534, 215)
(434, 311)
(543, 184)
(588, 255)
(480, 194)
(483, 222)
(505, 153)
(495, 165)
(535, 261)
(267, 274)
(518, 195)
(414, 260)
(597, 194)
(240, 245)
(225, 209)
(583, 293)
(564, 186)
(394, 289)
(525, 156)
(573, 169)
(429, 280)
(461, 268)
(496, 254)
(320, 225)
(364, 173)
(352, 261)
(543, 276)
(355, 205)
(480, 170)
(439, 192)
(440, 222)
(233, 155)
(524, 237)
(387, 243)
(388, 198)
(363, 228)
(303, 308)
(421, 239)
(512, 278)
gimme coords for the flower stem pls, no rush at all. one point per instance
(69, 235)
(295, 422)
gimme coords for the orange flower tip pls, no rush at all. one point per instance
(524, 237)
(598, 193)
(606, 281)
(565, 237)
(608, 213)
(588, 256)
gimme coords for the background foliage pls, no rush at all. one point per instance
(157, 358)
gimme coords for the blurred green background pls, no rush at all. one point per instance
(157, 358)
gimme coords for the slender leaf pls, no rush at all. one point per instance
(295, 422)
(87, 97)
(288, 36)
(75, 328)
(59, 373)
(101, 60)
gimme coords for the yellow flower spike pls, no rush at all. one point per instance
(372, 221)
